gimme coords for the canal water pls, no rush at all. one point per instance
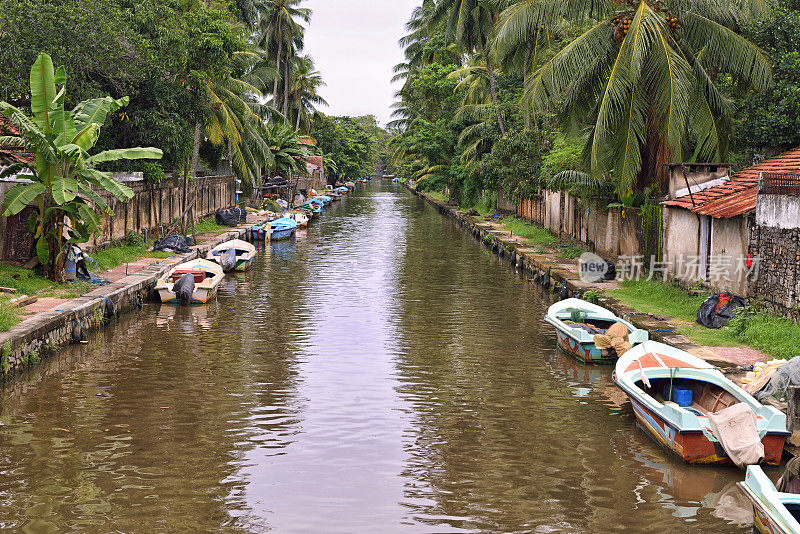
(383, 372)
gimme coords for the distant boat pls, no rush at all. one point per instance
(301, 217)
(313, 208)
(324, 198)
(774, 512)
(342, 190)
(260, 232)
(233, 255)
(578, 321)
(282, 228)
(673, 393)
(193, 282)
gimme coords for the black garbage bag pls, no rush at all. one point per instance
(611, 271)
(718, 309)
(784, 376)
(172, 243)
(184, 288)
(231, 216)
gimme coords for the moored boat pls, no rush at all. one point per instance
(314, 208)
(260, 232)
(577, 322)
(774, 512)
(282, 228)
(192, 282)
(679, 400)
(301, 217)
(233, 255)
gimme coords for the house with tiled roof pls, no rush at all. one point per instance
(709, 217)
(10, 154)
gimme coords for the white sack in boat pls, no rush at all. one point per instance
(735, 428)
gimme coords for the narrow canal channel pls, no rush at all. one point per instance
(382, 373)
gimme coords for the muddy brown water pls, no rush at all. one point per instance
(383, 372)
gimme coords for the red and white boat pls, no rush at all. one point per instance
(654, 376)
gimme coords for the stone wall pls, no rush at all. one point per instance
(778, 284)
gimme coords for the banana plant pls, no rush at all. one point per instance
(65, 179)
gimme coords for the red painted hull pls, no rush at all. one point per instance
(695, 448)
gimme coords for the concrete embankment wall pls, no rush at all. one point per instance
(46, 332)
(528, 261)
(610, 233)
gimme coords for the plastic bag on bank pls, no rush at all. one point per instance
(718, 309)
(174, 242)
(231, 216)
(784, 376)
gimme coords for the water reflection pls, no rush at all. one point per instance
(382, 371)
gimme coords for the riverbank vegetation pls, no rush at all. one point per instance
(590, 97)
(775, 336)
(206, 85)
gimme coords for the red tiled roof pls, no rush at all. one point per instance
(315, 160)
(12, 154)
(738, 195)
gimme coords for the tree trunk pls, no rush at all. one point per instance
(655, 154)
(493, 91)
(278, 70)
(286, 88)
(193, 166)
(297, 125)
(526, 106)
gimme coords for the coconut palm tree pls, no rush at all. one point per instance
(281, 34)
(305, 83)
(642, 77)
(469, 25)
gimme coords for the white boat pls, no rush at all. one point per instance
(199, 288)
(299, 216)
(233, 255)
(674, 395)
(774, 512)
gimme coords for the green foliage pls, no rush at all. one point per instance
(5, 353)
(515, 162)
(9, 316)
(776, 336)
(111, 257)
(133, 239)
(153, 172)
(652, 222)
(535, 234)
(354, 145)
(592, 296)
(769, 119)
(571, 251)
(25, 281)
(208, 225)
(64, 172)
(653, 296)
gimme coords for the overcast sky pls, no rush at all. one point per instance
(354, 45)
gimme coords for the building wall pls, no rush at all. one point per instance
(729, 245)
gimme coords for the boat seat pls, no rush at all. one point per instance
(714, 401)
(199, 274)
